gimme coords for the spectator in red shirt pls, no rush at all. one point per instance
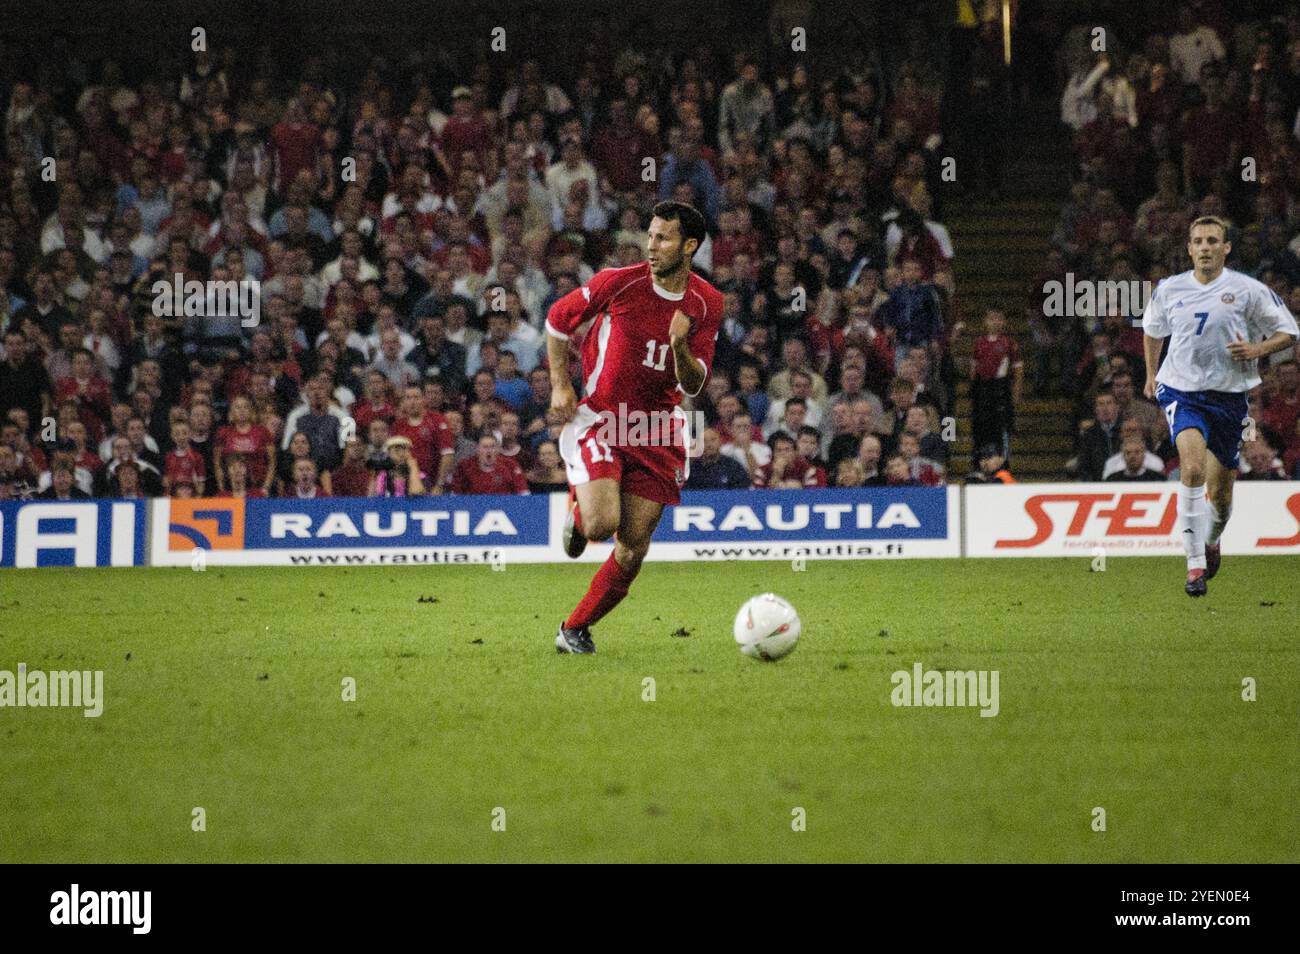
(183, 464)
(352, 478)
(431, 441)
(1211, 136)
(375, 404)
(297, 143)
(465, 130)
(1282, 401)
(617, 150)
(487, 472)
(86, 458)
(89, 390)
(787, 470)
(248, 439)
(997, 383)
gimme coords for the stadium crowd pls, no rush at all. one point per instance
(409, 231)
(1199, 118)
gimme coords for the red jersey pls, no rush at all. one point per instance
(810, 475)
(430, 438)
(625, 355)
(184, 467)
(995, 357)
(505, 477)
(364, 413)
(252, 444)
(296, 148)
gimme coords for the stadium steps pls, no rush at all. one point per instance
(1000, 247)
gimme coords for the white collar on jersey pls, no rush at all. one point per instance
(665, 293)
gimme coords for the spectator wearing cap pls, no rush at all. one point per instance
(403, 477)
(465, 130)
(487, 472)
(992, 467)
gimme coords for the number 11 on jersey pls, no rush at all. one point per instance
(649, 361)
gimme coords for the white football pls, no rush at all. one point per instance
(767, 627)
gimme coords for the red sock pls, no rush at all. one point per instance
(577, 511)
(608, 587)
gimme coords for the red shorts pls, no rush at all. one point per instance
(652, 461)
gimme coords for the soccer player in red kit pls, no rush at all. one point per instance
(651, 329)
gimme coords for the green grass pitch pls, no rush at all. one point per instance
(224, 691)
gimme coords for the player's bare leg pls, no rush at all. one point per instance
(637, 521)
(593, 514)
(1218, 485)
(1193, 513)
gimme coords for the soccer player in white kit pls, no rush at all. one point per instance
(1220, 323)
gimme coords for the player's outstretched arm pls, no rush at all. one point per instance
(690, 372)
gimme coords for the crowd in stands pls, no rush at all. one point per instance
(1200, 118)
(409, 235)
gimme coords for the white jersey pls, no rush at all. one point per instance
(1202, 320)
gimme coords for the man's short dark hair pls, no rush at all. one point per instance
(793, 401)
(778, 437)
(687, 216)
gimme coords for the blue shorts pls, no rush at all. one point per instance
(1220, 416)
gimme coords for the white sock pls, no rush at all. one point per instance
(1194, 519)
(1217, 522)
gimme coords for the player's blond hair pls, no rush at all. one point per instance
(1209, 220)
